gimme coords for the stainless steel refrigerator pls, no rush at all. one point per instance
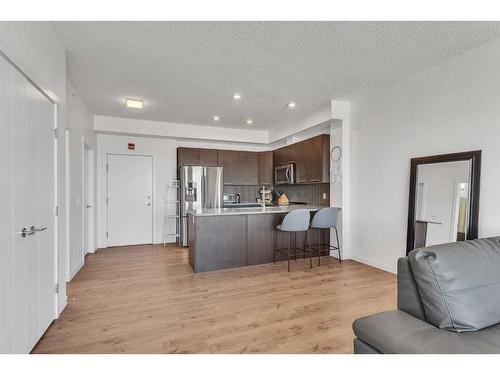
(201, 187)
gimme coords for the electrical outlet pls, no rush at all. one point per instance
(324, 195)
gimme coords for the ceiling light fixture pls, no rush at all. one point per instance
(249, 121)
(135, 103)
(236, 96)
(292, 105)
(216, 118)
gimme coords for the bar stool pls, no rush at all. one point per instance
(326, 218)
(294, 222)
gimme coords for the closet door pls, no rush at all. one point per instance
(6, 225)
(27, 223)
(25, 269)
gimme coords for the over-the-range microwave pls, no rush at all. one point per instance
(284, 174)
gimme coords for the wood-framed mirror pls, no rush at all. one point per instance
(444, 199)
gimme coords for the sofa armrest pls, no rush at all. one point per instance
(386, 331)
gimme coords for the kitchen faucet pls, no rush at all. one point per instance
(263, 197)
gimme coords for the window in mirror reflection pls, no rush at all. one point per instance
(442, 203)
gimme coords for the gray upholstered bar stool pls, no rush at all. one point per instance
(294, 222)
(326, 218)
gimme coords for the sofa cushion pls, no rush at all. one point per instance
(459, 283)
(396, 332)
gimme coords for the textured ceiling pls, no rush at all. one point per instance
(187, 71)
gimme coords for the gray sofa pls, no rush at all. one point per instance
(448, 302)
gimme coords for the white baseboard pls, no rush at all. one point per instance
(76, 269)
(376, 264)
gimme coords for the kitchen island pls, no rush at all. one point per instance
(222, 238)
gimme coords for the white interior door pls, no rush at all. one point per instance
(27, 293)
(6, 224)
(130, 200)
(25, 270)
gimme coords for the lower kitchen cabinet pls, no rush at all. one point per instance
(228, 241)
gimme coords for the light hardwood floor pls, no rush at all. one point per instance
(146, 299)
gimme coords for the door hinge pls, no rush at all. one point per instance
(107, 235)
(106, 200)
(57, 288)
(56, 211)
(56, 134)
(107, 167)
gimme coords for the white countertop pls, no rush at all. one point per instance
(252, 210)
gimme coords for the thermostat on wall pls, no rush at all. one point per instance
(131, 146)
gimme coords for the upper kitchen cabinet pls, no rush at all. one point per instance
(188, 156)
(209, 157)
(313, 164)
(265, 164)
(311, 158)
(240, 167)
(247, 169)
(228, 159)
(196, 156)
(284, 155)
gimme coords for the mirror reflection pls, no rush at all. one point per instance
(442, 202)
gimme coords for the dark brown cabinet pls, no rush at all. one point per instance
(311, 158)
(228, 159)
(247, 170)
(188, 156)
(313, 164)
(196, 156)
(240, 167)
(284, 155)
(265, 166)
(208, 157)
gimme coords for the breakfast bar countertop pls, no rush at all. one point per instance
(252, 210)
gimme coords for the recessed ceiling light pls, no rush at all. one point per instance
(236, 96)
(216, 118)
(249, 121)
(292, 105)
(135, 103)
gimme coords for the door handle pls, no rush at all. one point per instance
(33, 229)
(26, 232)
(88, 206)
(149, 204)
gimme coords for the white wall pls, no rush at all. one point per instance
(80, 122)
(450, 107)
(35, 48)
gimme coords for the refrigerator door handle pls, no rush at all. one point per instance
(204, 188)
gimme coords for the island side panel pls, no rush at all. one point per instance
(221, 242)
(191, 240)
(261, 237)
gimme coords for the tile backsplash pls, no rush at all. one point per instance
(310, 193)
(248, 193)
